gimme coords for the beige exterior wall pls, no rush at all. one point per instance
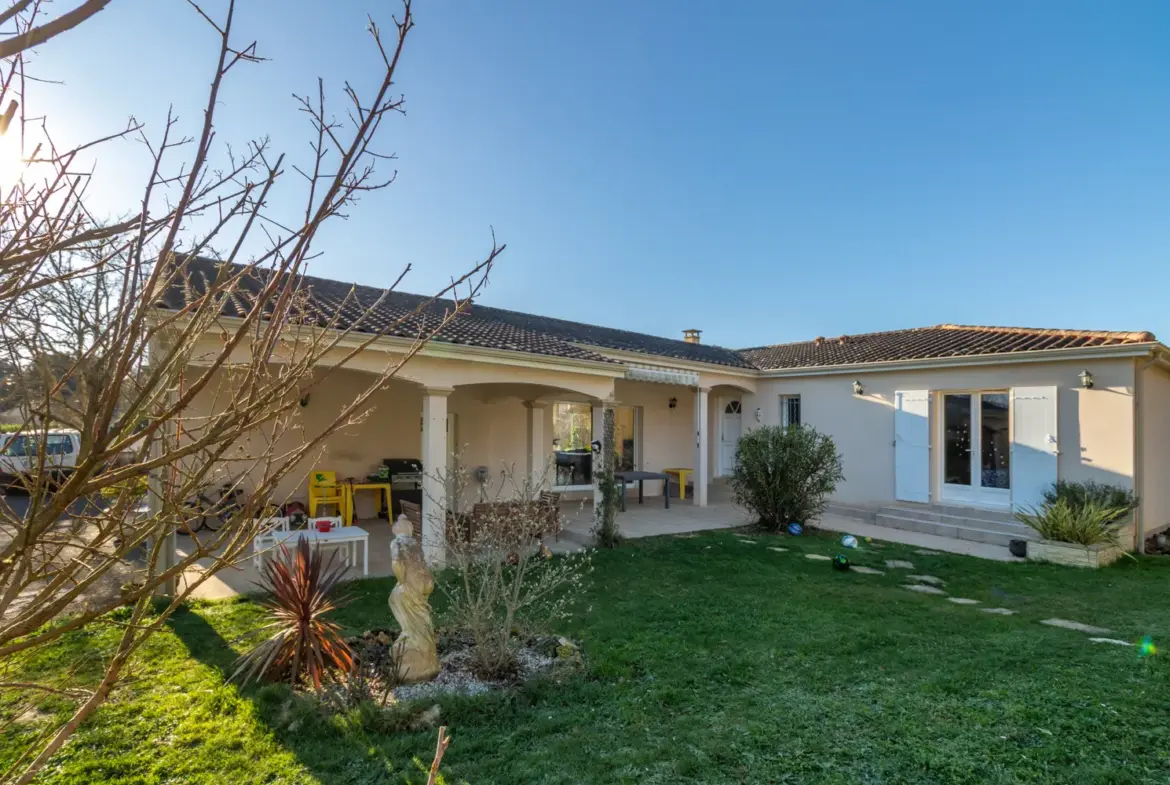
(1154, 417)
(1095, 427)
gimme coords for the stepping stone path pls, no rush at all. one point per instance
(998, 611)
(1114, 641)
(923, 588)
(898, 564)
(746, 541)
(924, 552)
(778, 550)
(817, 557)
(963, 601)
(865, 570)
(932, 580)
(1075, 625)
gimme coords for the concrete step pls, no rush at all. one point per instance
(855, 512)
(987, 532)
(944, 512)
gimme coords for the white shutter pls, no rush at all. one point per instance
(1034, 444)
(912, 445)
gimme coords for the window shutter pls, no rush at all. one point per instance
(1034, 462)
(912, 445)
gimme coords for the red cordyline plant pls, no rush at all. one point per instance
(303, 644)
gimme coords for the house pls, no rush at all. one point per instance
(978, 419)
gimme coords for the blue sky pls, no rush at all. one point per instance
(766, 171)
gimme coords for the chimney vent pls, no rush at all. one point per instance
(692, 336)
(820, 339)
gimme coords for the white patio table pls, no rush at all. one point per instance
(349, 536)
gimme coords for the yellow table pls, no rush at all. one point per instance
(682, 475)
(376, 487)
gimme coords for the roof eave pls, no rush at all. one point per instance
(1005, 358)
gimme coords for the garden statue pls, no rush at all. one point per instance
(415, 648)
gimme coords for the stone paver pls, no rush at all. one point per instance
(865, 570)
(817, 557)
(1114, 641)
(963, 601)
(746, 541)
(1075, 625)
(931, 579)
(923, 588)
(925, 552)
(898, 564)
(778, 550)
(998, 611)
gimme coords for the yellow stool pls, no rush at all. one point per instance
(681, 475)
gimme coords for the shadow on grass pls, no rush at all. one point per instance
(342, 748)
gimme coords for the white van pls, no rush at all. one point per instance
(19, 455)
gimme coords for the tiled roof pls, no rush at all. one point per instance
(482, 326)
(944, 340)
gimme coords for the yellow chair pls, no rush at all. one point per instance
(324, 490)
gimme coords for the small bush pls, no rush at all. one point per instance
(303, 645)
(1089, 523)
(785, 474)
(1080, 494)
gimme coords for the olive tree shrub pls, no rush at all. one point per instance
(783, 475)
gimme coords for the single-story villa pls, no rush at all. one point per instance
(966, 423)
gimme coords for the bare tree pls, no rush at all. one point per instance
(79, 316)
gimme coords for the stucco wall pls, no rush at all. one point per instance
(666, 433)
(1155, 449)
(1095, 426)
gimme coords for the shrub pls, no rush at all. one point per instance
(785, 474)
(303, 645)
(1080, 494)
(1087, 523)
(505, 585)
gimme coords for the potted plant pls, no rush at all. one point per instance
(1087, 534)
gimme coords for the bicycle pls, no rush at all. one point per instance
(203, 511)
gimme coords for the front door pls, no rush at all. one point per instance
(976, 454)
(729, 436)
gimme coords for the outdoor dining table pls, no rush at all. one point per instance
(640, 478)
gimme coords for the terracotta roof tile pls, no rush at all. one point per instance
(944, 340)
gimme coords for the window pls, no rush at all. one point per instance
(59, 444)
(789, 410)
(572, 440)
(21, 446)
(626, 442)
(733, 407)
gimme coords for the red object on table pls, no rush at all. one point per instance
(323, 524)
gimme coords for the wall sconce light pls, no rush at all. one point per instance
(1086, 379)
(305, 400)
(857, 388)
(673, 403)
(759, 414)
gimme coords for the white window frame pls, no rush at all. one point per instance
(974, 494)
(784, 399)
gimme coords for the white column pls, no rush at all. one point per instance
(595, 432)
(701, 446)
(538, 451)
(434, 460)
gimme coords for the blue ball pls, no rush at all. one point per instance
(795, 529)
(849, 541)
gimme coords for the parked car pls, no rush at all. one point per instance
(19, 456)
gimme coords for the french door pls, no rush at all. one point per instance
(976, 454)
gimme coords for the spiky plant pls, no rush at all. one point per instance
(302, 645)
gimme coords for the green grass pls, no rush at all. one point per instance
(711, 660)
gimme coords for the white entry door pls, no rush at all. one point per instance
(729, 436)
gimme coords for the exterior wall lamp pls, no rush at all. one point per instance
(304, 400)
(673, 403)
(759, 414)
(1086, 379)
(857, 388)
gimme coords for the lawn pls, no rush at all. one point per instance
(710, 660)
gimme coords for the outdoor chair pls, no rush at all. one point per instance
(325, 491)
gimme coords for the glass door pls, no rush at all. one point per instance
(572, 451)
(976, 454)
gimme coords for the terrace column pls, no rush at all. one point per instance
(434, 490)
(600, 410)
(700, 447)
(537, 447)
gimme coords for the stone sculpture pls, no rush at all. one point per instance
(415, 648)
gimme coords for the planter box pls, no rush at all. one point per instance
(1092, 556)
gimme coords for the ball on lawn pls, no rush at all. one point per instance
(795, 529)
(840, 562)
(849, 541)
